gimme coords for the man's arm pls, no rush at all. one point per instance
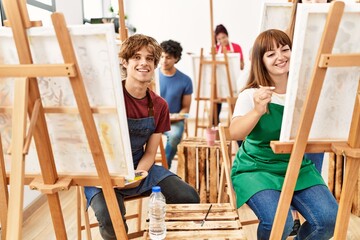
(148, 158)
(185, 103)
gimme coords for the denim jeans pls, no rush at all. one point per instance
(315, 204)
(174, 189)
(317, 159)
(174, 137)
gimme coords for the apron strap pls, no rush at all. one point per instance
(150, 104)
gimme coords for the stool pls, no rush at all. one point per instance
(183, 221)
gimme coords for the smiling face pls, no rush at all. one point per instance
(223, 39)
(140, 67)
(277, 61)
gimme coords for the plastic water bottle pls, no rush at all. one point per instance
(157, 211)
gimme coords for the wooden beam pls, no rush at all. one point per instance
(88, 121)
(311, 147)
(4, 194)
(339, 60)
(67, 110)
(37, 70)
(77, 180)
(307, 115)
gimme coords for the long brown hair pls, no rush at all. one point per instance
(263, 43)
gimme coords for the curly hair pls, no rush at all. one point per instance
(134, 43)
(172, 48)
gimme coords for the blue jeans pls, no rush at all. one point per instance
(316, 204)
(317, 159)
(174, 189)
(174, 137)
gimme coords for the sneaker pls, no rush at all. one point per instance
(296, 228)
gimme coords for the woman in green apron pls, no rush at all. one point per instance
(258, 173)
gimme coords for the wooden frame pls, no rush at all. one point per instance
(103, 86)
(327, 42)
(27, 101)
(336, 98)
(214, 98)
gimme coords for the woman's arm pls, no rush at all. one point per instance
(148, 158)
(241, 126)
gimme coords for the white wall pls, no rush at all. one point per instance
(188, 22)
(72, 10)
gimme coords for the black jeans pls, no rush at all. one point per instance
(174, 189)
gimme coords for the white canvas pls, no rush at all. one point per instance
(221, 76)
(334, 110)
(275, 15)
(97, 56)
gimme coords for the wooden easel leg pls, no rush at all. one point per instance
(4, 197)
(86, 115)
(347, 194)
(16, 199)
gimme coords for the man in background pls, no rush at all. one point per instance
(176, 88)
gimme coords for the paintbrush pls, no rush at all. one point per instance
(203, 221)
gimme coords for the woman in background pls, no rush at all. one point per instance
(222, 41)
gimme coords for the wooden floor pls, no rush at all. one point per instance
(39, 225)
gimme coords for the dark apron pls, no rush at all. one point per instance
(140, 131)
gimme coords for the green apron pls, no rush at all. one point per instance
(256, 167)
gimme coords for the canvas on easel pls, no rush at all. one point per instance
(332, 53)
(222, 84)
(332, 118)
(28, 102)
(96, 52)
(212, 83)
(275, 15)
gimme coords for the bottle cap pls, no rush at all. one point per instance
(156, 189)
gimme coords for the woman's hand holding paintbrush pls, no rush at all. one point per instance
(262, 97)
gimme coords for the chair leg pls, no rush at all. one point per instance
(222, 185)
(81, 209)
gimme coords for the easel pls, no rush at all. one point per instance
(213, 90)
(27, 99)
(123, 33)
(351, 148)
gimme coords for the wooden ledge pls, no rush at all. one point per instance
(61, 185)
(77, 180)
(345, 149)
(311, 147)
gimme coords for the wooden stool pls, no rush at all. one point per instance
(199, 165)
(183, 221)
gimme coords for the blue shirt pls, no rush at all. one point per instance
(172, 89)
